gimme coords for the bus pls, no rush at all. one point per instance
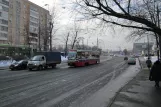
(80, 58)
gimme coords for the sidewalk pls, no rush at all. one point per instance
(139, 92)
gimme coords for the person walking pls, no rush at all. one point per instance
(149, 63)
(155, 73)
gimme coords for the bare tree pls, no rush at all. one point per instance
(125, 51)
(27, 38)
(143, 15)
(55, 15)
(45, 37)
(117, 12)
(66, 44)
(74, 39)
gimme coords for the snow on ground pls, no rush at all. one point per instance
(153, 58)
(105, 95)
(5, 63)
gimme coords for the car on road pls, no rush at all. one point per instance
(125, 58)
(131, 61)
(19, 65)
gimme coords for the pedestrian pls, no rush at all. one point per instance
(155, 73)
(149, 63)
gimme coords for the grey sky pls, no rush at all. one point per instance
(109, 39)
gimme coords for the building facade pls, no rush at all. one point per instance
(4, 9)
(142, 48)
(26, 20)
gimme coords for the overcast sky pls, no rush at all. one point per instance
(108, 39)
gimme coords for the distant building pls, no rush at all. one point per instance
(26, 19)
(4, 9)
(140, 48)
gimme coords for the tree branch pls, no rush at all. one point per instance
(118, 4)
(96, 5)
(128, 8)
(143, 28)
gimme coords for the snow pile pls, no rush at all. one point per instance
(154, 58)
(5, 63)
(64, 59)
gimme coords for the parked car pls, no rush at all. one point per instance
(131, 61)
(19, 65)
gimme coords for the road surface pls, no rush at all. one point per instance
(59, 87)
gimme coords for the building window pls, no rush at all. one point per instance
(4, 28)
(5, 9)
(33, 8)
(34, 24)
(4, 35)
(2, 21)
(32, 13)
(0, 7)
(34, 19)
(5, 2)
(0, 14)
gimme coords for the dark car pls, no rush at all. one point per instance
(19, 65)
(132, 61)
(126, 58)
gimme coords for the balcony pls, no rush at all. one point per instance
(33, 42)
(33, 30)
(3, 38)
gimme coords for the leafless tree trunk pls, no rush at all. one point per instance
(27, 38)
(55, 14)
(66, 44)
(43, 37)
(75, 39)
(50, 34)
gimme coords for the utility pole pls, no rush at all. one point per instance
(83, 42)
(148, 46)
(158, 18)
(97, 43)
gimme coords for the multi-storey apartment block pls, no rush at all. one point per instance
(4, 9)
(26, 23)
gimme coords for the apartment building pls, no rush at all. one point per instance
(38, 24)
(4, 9)
(26, 20)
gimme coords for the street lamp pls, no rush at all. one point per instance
(47, 5)
(148, 46)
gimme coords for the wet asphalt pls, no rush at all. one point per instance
(58, 87)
